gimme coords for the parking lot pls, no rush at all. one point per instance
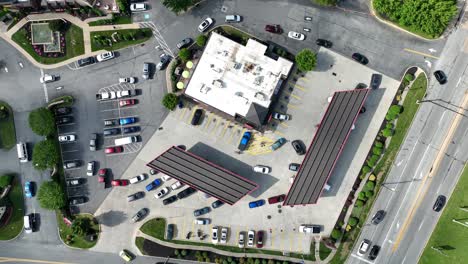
(305, 98)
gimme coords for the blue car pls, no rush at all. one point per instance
(28, 189)
(256, 203)
(153, 185)
(280, 142)
(127, 120)
(245, 141)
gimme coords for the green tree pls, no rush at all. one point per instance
(4, 113)
(183, 252)
(359, 203)
(5, 180)
(123, 6)
(326, 2)
(57, 25)
(378, 144)
(370, 163)
(46, 154)
(42, 122)
(353, 221)
(81, 226)
(395, 109)
(170, 101)
(366, 169)
(387, 132)
(370, 185)
(201, 40)
(369, 193)
(335, 234)
(362, 196)
(185, 54)
(177, 6)
(376, 151)
(51, 196)
(306, 60)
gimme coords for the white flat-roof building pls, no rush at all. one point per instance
(237, 80)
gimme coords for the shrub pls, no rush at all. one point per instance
(395, 109)
(370, 163)
(387, 132)
(362, 196)
(264, 261)
(4, 112)
(51, 196)
(123, 5)
(46, 154)
(205, 254)
(372, 177)
(389, 125)
(176, 252)
(359, 203)
(362, 176)
(306, 60)
(376, 151)
(185, 54)
(378, 144)
(5, 180)
(81, 226)
(390, 116)
(183, 252)
(335, 234)
(353, 221)
(326, 2)
(42, 122)
(177, 6)
(170, 101)
(409, 77)
(369, 193)
(57, 25)
(375, 157)
(370, 185)
(366, 169)
(201, 40)
(229, 259)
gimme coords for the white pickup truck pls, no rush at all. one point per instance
(126, 93)
(106, 96)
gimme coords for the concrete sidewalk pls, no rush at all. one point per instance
(7, 36)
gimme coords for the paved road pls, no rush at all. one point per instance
(418, 176)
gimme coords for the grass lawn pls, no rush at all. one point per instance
(74, 45)
(449, 237)
(7, 129)
(415, 92)
(139, 243)
(116, 20)
(236, 34)
(78, 241)
(145, 32)
(324, 251)
(157, 227)
(15, 225)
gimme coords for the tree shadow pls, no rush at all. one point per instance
(111, 218)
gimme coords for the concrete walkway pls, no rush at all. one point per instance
(78, 22)
(225, 253)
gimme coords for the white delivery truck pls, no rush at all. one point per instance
(125, 140)
(105, 96)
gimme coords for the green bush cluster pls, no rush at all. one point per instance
(201, 40)
(185, 54)
(170, 101)
(409, 77)
(429, 18)
(5, 180)
(51, 196)
(42, 122)
(353, 221)
(46, 154)
(335, 234)
(306, 60)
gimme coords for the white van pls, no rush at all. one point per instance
(22, 152)
(233, 19)
(27, 224)
(125, 141)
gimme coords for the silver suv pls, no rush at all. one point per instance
(146, 70)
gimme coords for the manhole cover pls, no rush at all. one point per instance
(279, 206)
(269, 216)
(279, 211)
(224, 9)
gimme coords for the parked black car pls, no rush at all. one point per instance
(86, 61)
(186, 193)
(376, 79)
(360, 58)
(184, 43)
(298, 147)
(64, 120)
(164, 60)
(133, 129)
(294, 166)
(201, 211)
(140, 214)
(374, 252)
(77, 200)
(170, 200)
(62, 111)
(378, 217)
(440, 77)
(439, 203)
(196, 117)
(217, 204)
(111, 131)
(324, 43)
(170, 232)
(135, 196)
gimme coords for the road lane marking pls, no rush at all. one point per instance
(435, 168)
(182, 113)
(4, 259)
(293, 95)
(279, 134)
(225, 129)
(421, 53)
(283, 124)
(295, 85)
(362, 259)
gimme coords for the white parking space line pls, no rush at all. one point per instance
(158, 36)
(362, 259)
(110, 110)
(65, 124)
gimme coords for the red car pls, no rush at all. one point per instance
(113, 150)
(274, 29)
(119, 182)
(259, 239)
(127, 102)
(276, 199)
(102, 174)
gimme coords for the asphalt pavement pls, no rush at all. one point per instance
(429, 164)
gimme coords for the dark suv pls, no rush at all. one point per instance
(186, 193)
(86, 61)
(184, 43)
(440, 77)
(170, 200)
(374, 252)
(378, 217)
(376, 79)
(298, 147)
(360, 58)
(439, 203)
(196, 117)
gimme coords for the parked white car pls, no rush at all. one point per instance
(251, 237)
(363, 247)
(296, 35)
(224, 234)
(262, 169)
(176, 185)
(67, 138)
(47, 78)
(205, 24)
(309, 229)
(90, 168)
(281, 117)
(214, 235)
(138, 179)
(202, 221)
(241, 242)
(165, 178)
(105, 56)
(162, 193)
(127, 80)
(138, 7)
